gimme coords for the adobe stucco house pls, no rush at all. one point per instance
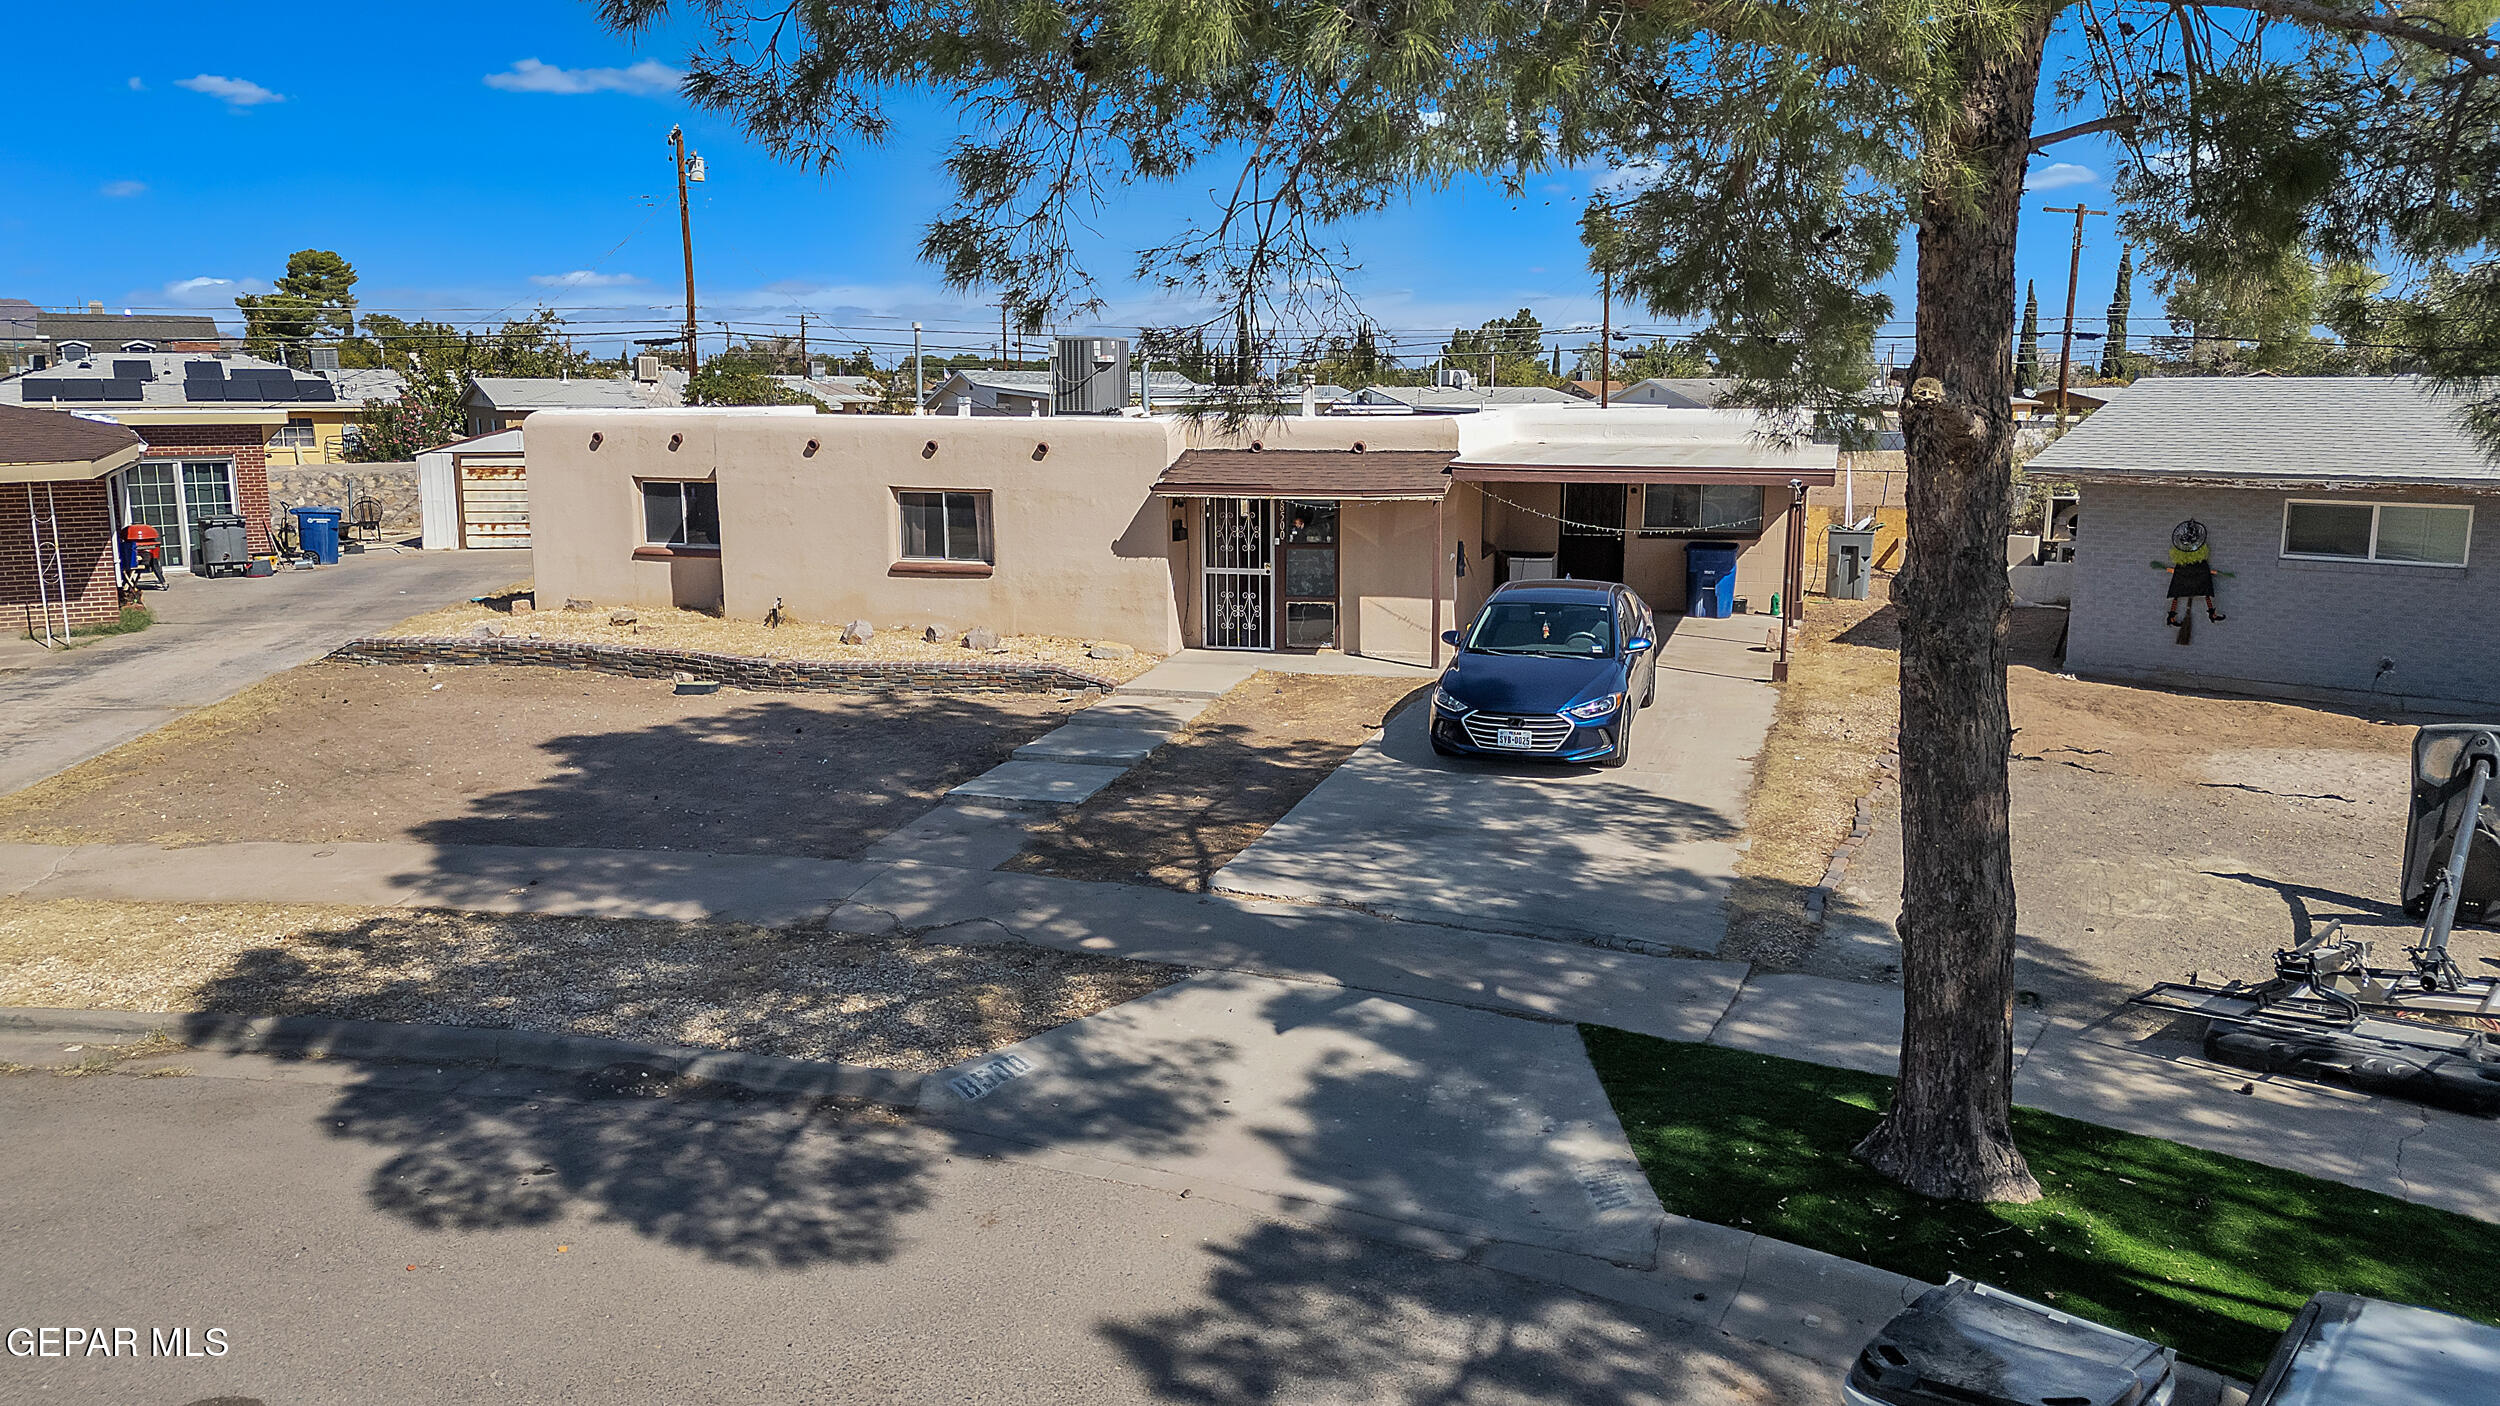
(1368, 534)
(2354, 534)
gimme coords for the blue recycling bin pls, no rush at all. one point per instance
(1710, 579)
(317, 530)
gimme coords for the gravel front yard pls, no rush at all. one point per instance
(520, 756)
(892, 1003)
(796, 639)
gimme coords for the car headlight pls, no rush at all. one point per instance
(1591, 712)
(1448, 706)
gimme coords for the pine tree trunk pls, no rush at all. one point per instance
(1948, 1133)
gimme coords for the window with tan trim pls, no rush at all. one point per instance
(942, 526)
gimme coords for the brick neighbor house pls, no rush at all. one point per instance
(57, 565)
(207, 422)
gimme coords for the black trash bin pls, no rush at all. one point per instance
(1967, 1344)
(220, 544)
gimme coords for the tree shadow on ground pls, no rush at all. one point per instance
(765, 1181)
(821, 777)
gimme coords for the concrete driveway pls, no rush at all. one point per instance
(212, 639)
(1640, 855)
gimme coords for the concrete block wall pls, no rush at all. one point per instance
(86, 550)
(2298, 629)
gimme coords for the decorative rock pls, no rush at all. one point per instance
(621, 617)
(1110, 651)
(981, 639)
(858, 632)
(485, 629)
(523, 605)
(681, 676)
(579, 604)
(932, 635)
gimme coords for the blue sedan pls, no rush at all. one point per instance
(1553, 670)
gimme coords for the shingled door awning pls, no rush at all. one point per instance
(39, 446)
(1378, 475)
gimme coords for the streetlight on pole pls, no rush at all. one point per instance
(685, 230)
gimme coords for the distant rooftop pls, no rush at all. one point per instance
(139, 379)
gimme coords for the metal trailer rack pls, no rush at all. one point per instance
(2422, 1031)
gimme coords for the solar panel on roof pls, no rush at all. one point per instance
(81, 388)
(133, 371)
(124, 388)
(204, 390)
(315, 389)
(203, 371)
(277, 388)
(36, 389)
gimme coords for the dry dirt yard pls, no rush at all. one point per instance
(892, 1003)
(1180, 815)
(497, 755)
(2156, 834)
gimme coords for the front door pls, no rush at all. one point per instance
(1310, 575)
(1240, 573)
(1592, 532)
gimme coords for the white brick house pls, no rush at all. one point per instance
(2354, 530)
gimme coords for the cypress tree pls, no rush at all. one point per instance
(2027, 351)
(2114, 345)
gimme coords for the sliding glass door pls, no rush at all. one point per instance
(173, 495)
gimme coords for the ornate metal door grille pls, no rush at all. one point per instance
(1240, 573)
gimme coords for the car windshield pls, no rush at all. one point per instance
(1574, 628)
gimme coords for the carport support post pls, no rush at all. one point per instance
(1437, 548)
(1792, 573)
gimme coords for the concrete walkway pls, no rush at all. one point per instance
(2098, 1075)
(1640, 856)
(212, 639)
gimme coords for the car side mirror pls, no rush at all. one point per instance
(1449, 637)
(1639, 644)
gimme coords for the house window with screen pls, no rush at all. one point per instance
(294, 434)
(2414, 534)
(681, 514)
(946, 526)
(1700, 508)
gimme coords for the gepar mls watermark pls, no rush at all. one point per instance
(117, 1342)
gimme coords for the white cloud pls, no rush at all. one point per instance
(2058, 175)
(583, 278)
(233, 92)
(123, 190)
(137, 87)
(650, 78)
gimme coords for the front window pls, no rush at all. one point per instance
(1702, 508)
(294, 434)
(1574, 629)
(2415, 534)
(681, 514)
(946, 526)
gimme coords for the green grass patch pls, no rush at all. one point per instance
(134, 618)
(2207, 1253)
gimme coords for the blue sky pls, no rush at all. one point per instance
(476, 160)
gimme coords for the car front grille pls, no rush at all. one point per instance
(1546, 731)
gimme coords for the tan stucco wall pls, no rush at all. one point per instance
(1081, 547)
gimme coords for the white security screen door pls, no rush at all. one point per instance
(1240, 573)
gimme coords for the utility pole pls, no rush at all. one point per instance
(919, 377)
(1002, 334)
(1605, 335)
(803, 367)
(2074, 269)
(685, 231)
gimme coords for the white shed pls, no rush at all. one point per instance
(475, 492)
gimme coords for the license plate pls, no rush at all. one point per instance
(1518, 737)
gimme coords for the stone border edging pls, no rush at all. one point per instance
(985, 675)
(1861, 827)
(463, 1044)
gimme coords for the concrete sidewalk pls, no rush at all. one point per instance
(2097, 1075)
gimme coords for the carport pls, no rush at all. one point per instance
(1617, 499)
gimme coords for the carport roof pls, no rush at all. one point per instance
(1659, 446)
(1379, 474)
(53, 445)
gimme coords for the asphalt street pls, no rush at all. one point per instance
(357, 1239)
(213, 638)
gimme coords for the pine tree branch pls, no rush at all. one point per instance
(2475, 52)
(2111, 122)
